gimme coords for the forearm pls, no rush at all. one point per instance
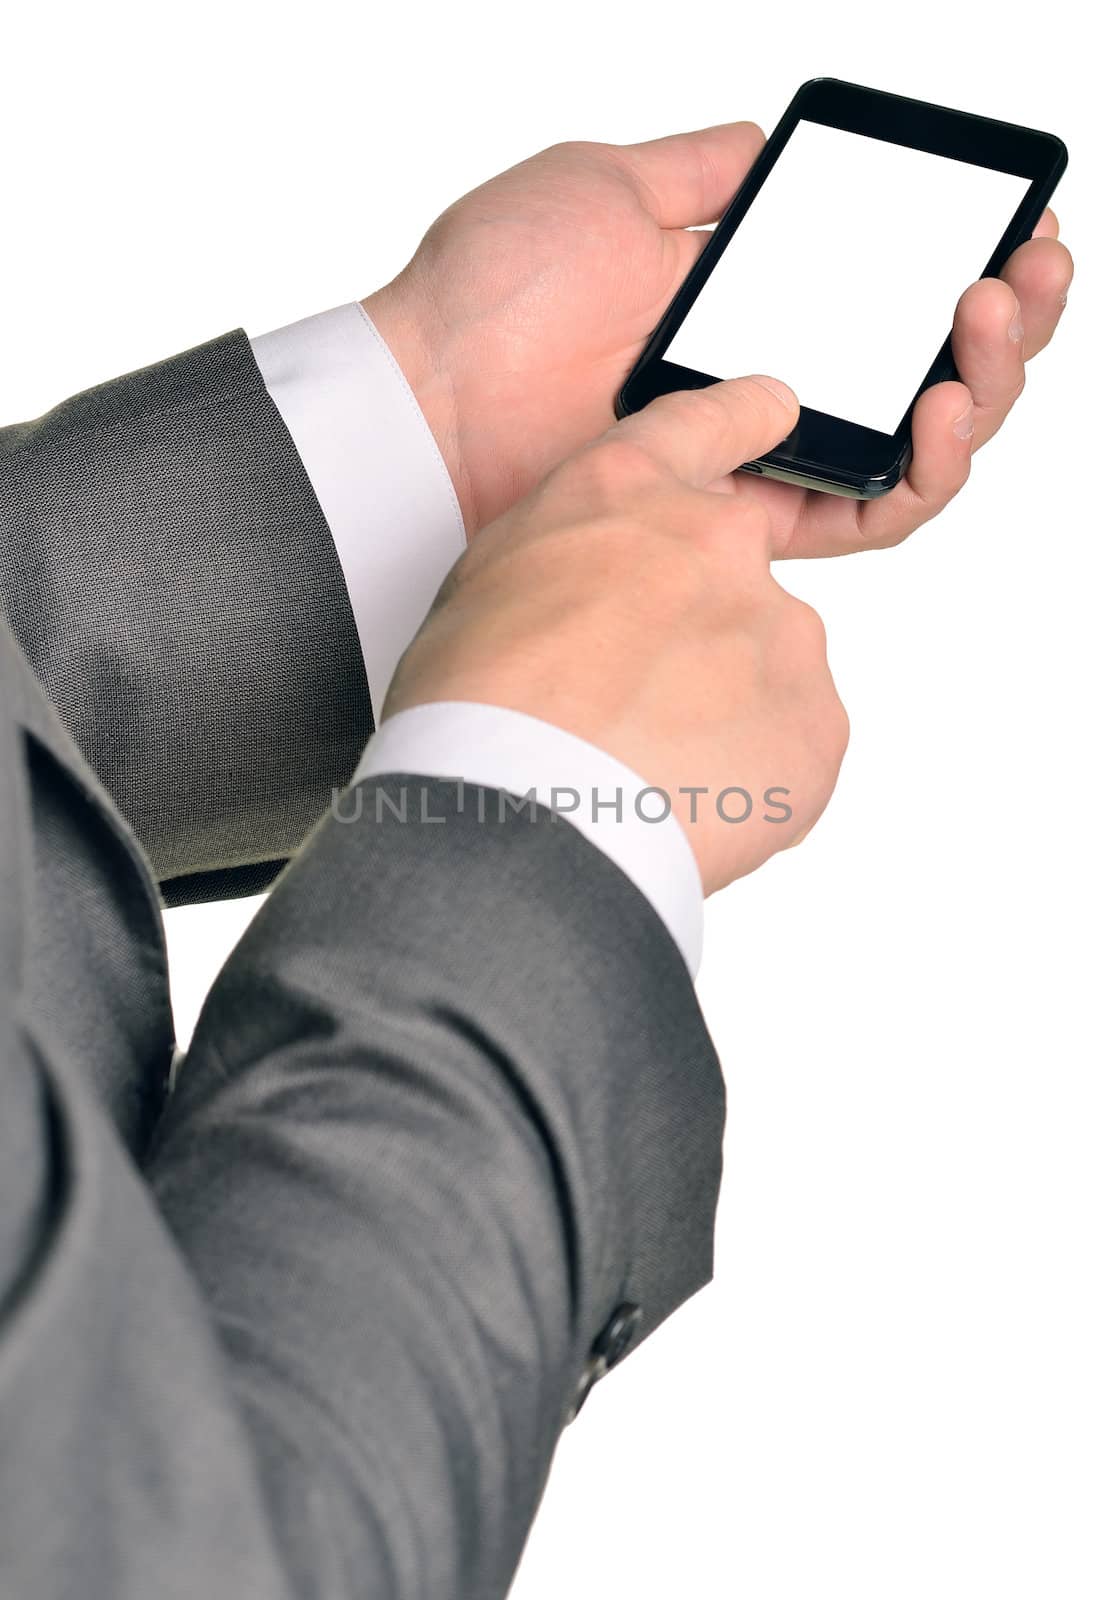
(429, 1136)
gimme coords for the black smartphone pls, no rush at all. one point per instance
(837, 267)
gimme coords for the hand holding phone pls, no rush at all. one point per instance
(837, 267)
(528, 302)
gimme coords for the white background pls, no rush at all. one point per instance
(901, 1382)
(843, 275)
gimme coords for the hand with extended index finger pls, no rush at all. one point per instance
(627, 603)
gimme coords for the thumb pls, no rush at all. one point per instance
(701, 434)
(688, 178)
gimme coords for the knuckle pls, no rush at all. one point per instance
(1018, 387)
(839, 724)
(923, 508)
(618, 468)
(829, 727)
(702, 409)
(574, 150)
(808, 629)
(688, 411)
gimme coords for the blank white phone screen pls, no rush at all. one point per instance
(844, 274)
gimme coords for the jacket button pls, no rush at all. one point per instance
(615, 1338)
(609, 1346)
(592, 1371)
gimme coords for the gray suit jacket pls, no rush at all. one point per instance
(447, 1140)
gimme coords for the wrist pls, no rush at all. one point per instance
(405, 320)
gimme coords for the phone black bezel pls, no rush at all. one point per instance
(825, 451)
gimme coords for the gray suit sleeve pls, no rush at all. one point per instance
(450, 1105)
(168, 571)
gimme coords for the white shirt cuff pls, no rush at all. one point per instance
(611, 805)
(376, 470)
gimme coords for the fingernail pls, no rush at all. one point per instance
(965, 424)
(1015, 330)
(780, 391)
(1064, 299)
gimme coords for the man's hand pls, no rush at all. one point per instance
(626, 603)
(529, 300)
